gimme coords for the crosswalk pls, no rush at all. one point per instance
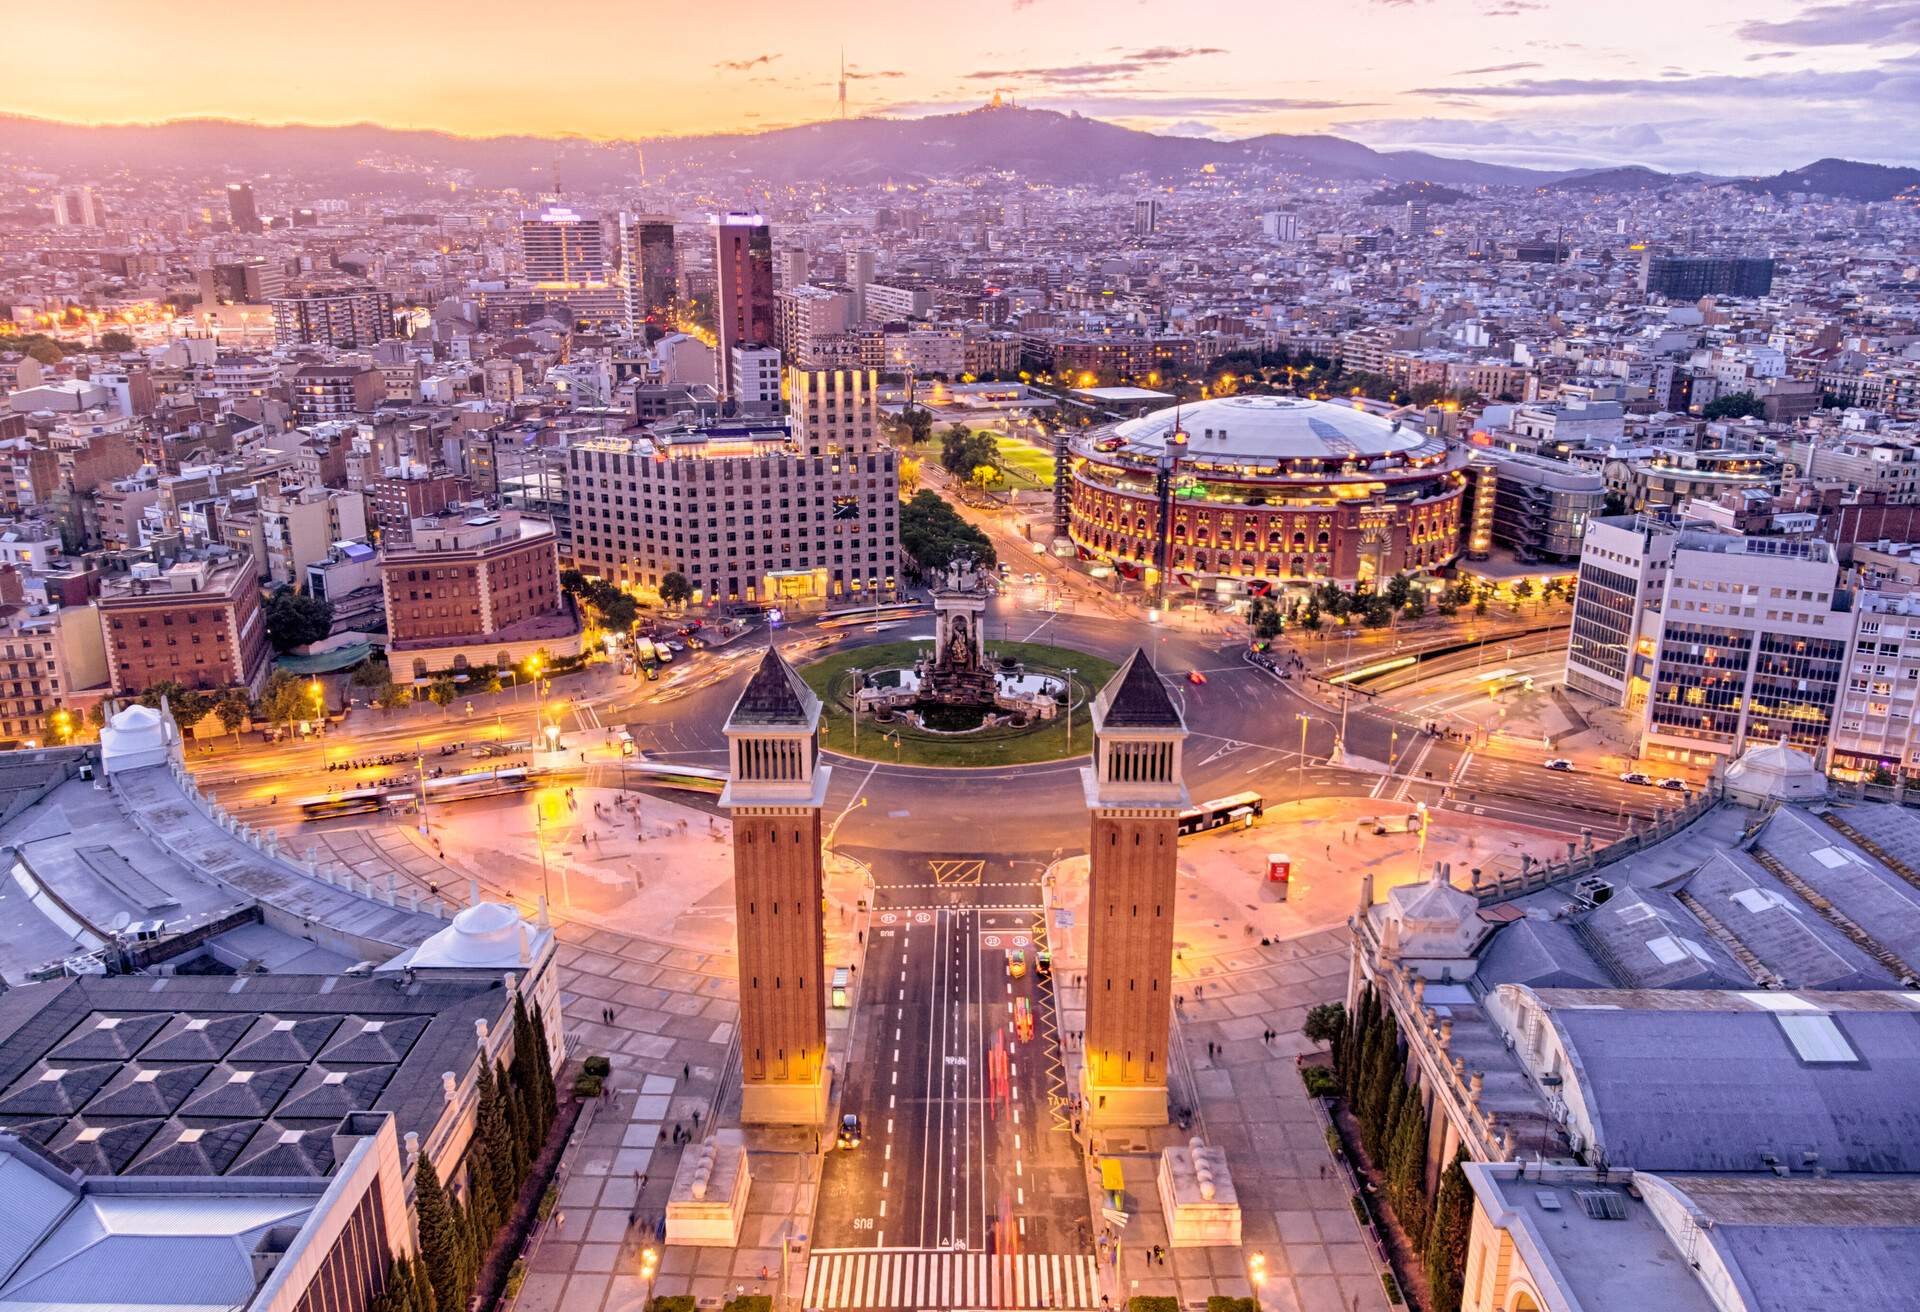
(905, 1278)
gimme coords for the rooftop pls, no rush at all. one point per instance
(221, 1075)
(1261, 430)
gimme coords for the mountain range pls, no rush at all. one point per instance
(1043, 145)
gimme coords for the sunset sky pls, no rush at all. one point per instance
(1699, 83)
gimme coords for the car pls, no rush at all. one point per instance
(1022, 1020)
(1674, 785)
(850, 1131)
(1195, 677)
(1635, 777)
(1043, 963)
(1560, 763)
(653, 674)
(1016, 964)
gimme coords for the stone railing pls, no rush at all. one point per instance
(266, 842)
(1428, 1038)
(1534, 876)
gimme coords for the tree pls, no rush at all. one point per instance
(1399, 587)
(1445, 1258)
(1416, 606)
(919, 424)
(909, 475)
(294, 619)
(1734, 405)
(1523, 590)
(934, 535)
(1406, 1168)
(232, 708)
(441, 691)
(1553, 591)
(115, 342)
(376, 676)
(441, 1250)
(1481, 596)
(572, 582)
(494, 1141)
(1263, 617)
(1310, 618)
(984, 476)
(674, 588)
(1325, 1022)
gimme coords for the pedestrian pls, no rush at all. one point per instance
(686, 1070)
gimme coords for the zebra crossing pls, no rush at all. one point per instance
(912, 1278)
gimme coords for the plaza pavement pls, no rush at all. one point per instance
(643, 913)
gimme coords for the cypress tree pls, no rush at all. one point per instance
(514, 1113)
(543, 1074)
(1407, 1178)
(423, 1299)
(491, 1136)
(441, 1250)
(1447, 1237)
(484, 1204)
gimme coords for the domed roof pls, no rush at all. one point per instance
(487, 934)
(1264, 430)
(1775, 772)
(1432, 918)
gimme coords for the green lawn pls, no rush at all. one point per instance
(1026, 464)
(989, 747)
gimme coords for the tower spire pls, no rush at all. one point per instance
(843, 81)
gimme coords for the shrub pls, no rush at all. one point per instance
(1221, 1303)
(1153, 1303)
(1320, 1081)
(516, 1276)
(750, 1303)
(548, 1201)
(597, 1066)
(586, 1086)
(671, 1303)
(1392, 1287)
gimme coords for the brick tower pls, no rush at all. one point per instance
(1135, 793)
(775, 789)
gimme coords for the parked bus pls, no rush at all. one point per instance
(871, 615)
(1241, 808)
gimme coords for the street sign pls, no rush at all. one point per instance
(1063, 918)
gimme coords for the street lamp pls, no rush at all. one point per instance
(856, 709)
(1071, 671)
(1300, 770)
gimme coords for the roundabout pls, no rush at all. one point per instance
(957, 736)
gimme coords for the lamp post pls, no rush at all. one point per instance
(1071, 671)
(1300, 770)
(856, 708)
(540, 841)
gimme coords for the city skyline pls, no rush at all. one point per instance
(1532, 82)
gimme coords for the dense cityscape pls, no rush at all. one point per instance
(979, 709)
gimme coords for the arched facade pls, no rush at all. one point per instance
(1270, 488)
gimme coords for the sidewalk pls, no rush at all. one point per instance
(1245, 963)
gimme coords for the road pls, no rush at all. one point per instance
(966, 1189)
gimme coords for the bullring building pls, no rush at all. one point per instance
(1266, 490)
(798, 512)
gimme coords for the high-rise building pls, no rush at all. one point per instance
(860, 266)
(744, 308)
(1689, 277)
(808, 316)
(700, 500)
(1280, 225)
(1146, 216)
(349, 318)
(756, 379)
(560, 247)
(1750, 646)
(1623, 574)
(483, 581)
(652, 269)
(793, 266)
(241, 210)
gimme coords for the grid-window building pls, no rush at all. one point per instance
(1623, 572)
(348, 319)
(561, 247)
(1750, 646)
(751, 510)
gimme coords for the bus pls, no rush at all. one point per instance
(358, 801)
(873, 615)
(480, 783)
(692, 778)
(1240, 808)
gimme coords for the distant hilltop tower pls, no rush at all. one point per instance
(843, 81)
